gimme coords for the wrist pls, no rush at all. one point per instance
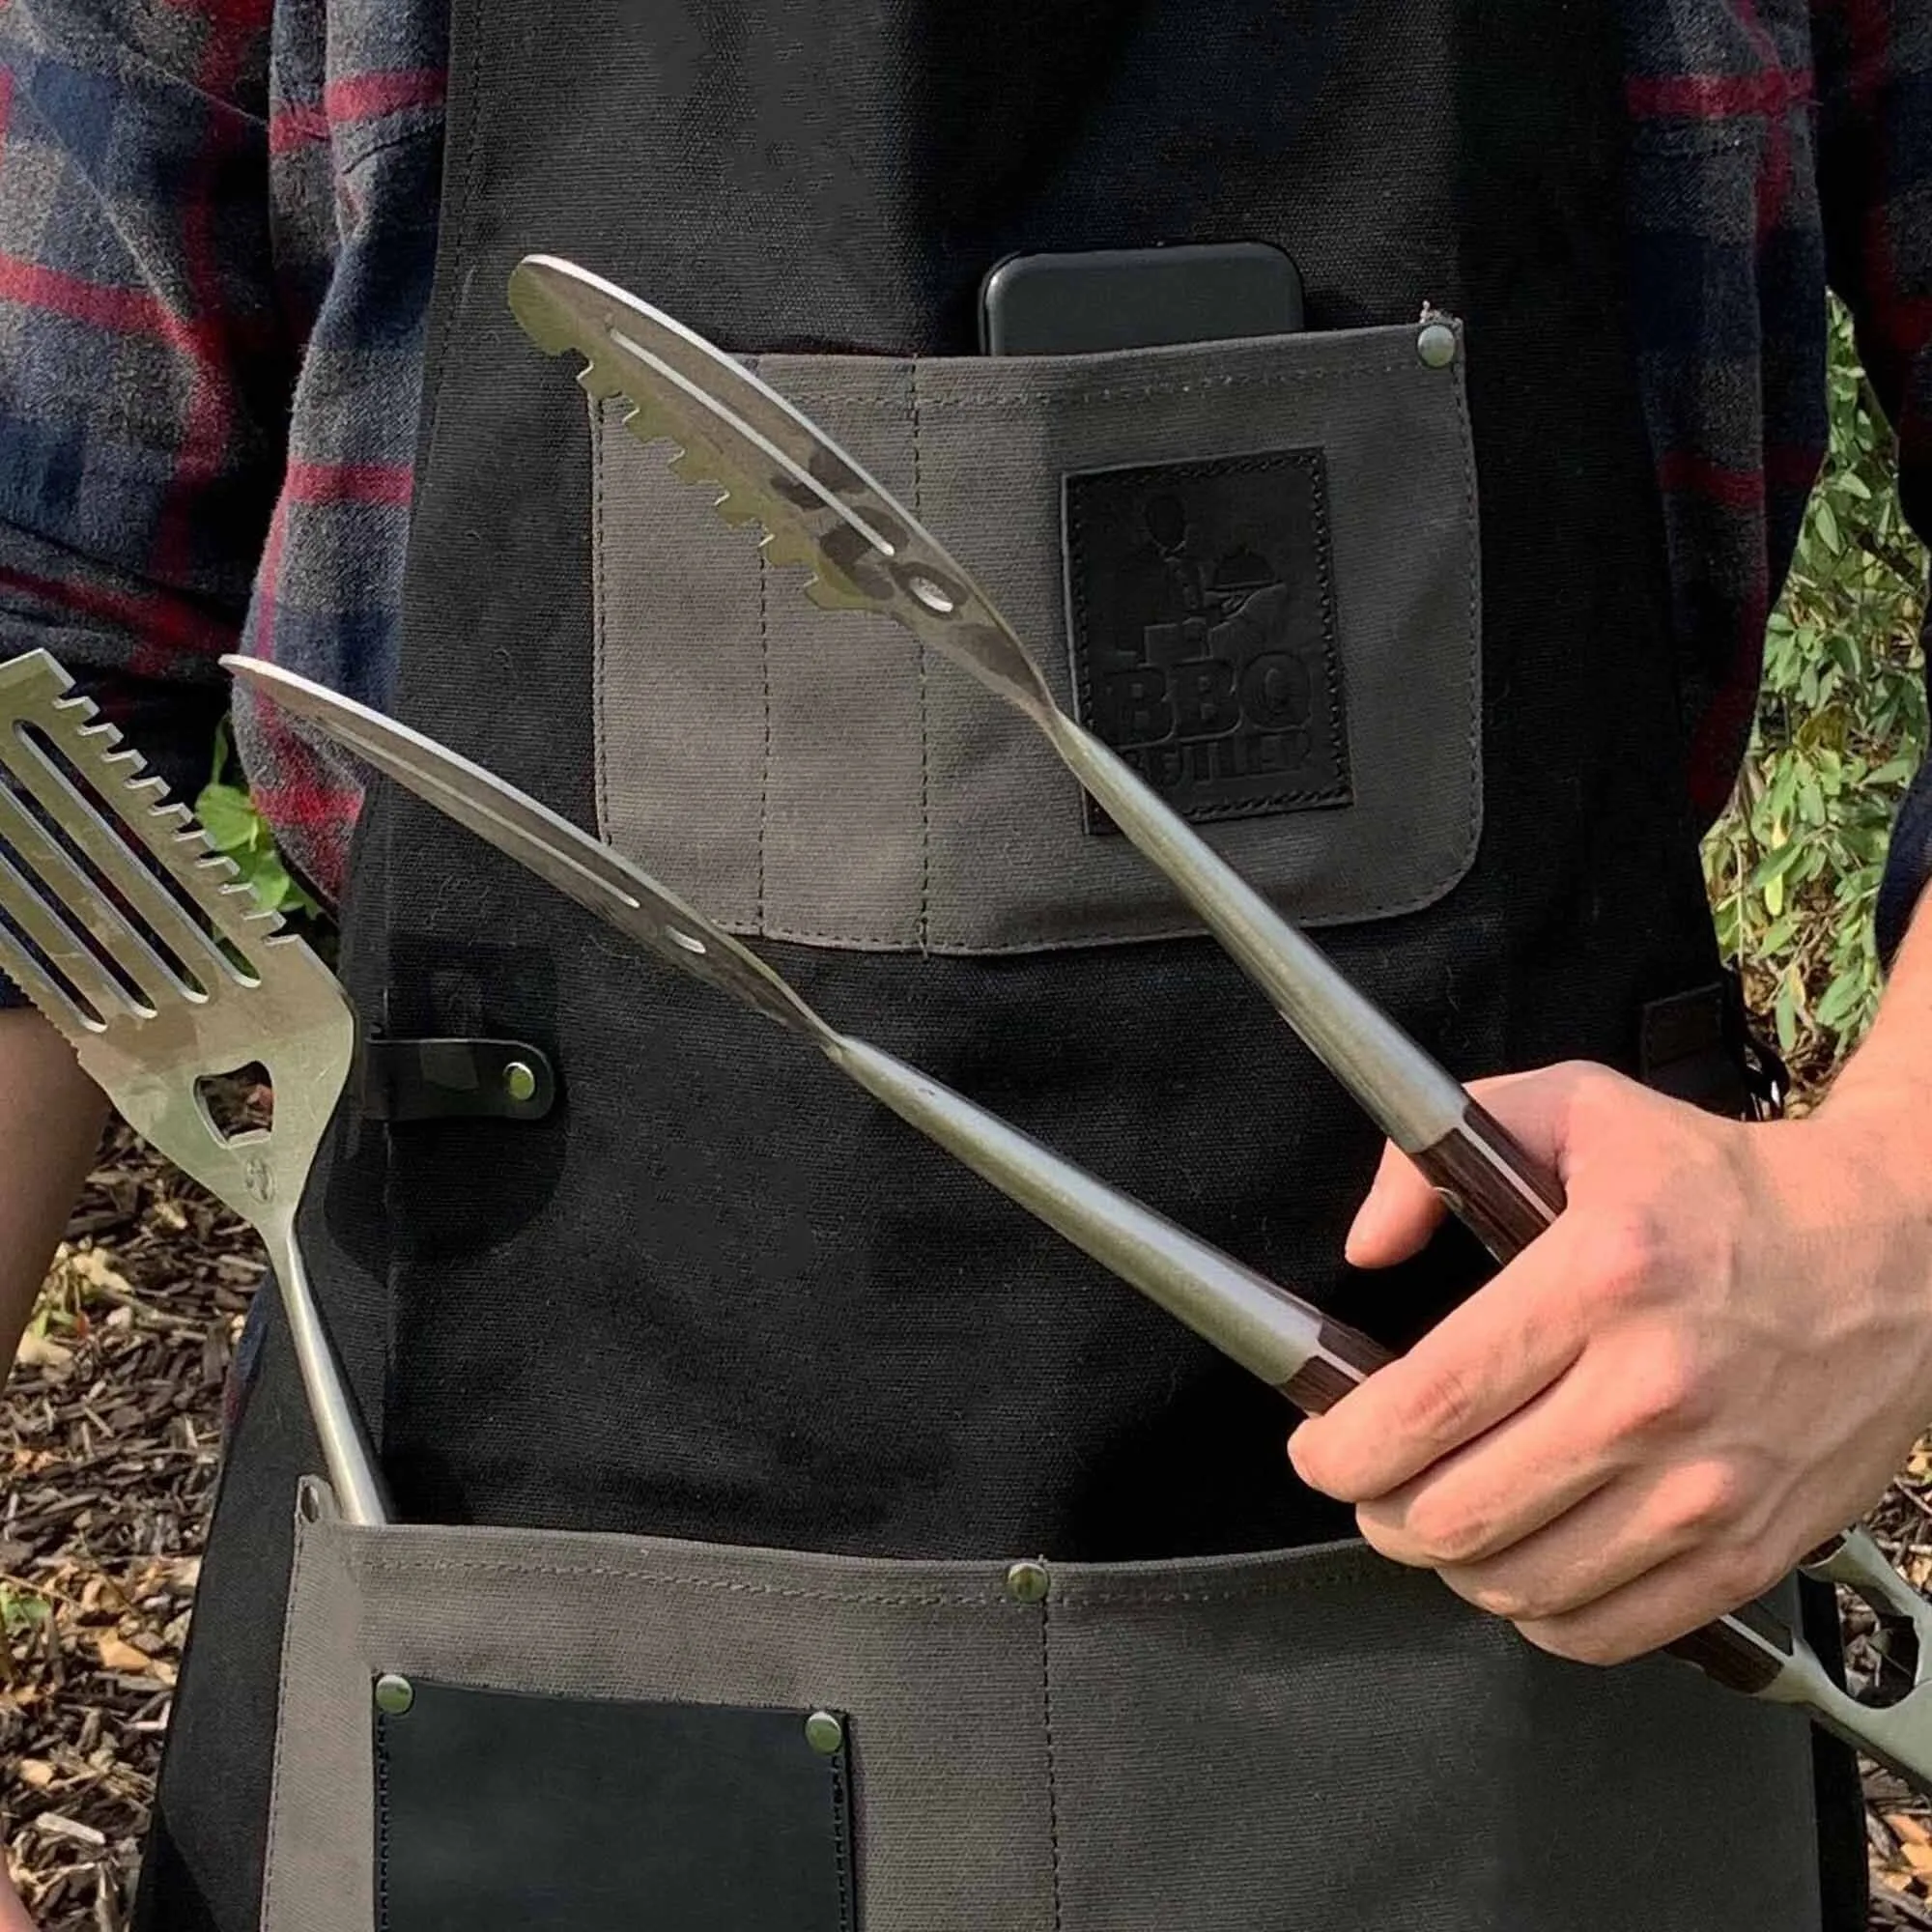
(1862, 1188)
(51, 1115)
(1883, 1095)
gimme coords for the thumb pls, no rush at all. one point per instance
(1402, 1210)
(1397, 1216)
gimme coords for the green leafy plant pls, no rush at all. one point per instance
(1794, 866)
(20, 1612)
(236, 828)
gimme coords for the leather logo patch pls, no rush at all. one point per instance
(1201, 617)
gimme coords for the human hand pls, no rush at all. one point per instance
(1714, 1359)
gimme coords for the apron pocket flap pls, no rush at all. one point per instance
(577, 1814)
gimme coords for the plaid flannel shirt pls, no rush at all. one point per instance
(217, 223)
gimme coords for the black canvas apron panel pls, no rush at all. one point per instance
(1252, 567)
(790, 1241)
(715, 1299)
(1299, 1741)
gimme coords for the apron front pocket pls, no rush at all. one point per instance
(1252, 567)
(613, 1732)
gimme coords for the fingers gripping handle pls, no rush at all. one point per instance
(1493, 1185)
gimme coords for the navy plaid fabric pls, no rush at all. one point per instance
(216, 231)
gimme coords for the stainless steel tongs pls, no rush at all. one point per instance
(1278, 1336)
(771, 464)
(1287, 1342)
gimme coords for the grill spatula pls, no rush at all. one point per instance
(153, 957)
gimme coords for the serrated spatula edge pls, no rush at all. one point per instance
(37, 692)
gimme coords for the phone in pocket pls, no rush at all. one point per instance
(1086, 301)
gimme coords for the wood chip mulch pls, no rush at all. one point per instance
(110, 1434)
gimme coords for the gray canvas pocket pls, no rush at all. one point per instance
(1252, 565)
(1301, 1739)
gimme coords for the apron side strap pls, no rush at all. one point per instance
(398, 1080)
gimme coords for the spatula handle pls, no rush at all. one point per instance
(345, 1454)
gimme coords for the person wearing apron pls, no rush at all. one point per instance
(791, 1534)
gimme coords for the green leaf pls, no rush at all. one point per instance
(1786, 1015)
(1842, 997)
(1776, 863)
(19, 1611)
(230, 819)
(1825, 523)
(271, 884)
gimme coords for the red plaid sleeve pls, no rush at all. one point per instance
(144, 378)
(1874, 61)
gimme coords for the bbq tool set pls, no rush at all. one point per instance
(867, 552)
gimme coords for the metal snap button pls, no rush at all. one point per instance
(394, 1694)
(520, 1081)
(1029, 1582)
(824, 1733)
(1435, 345)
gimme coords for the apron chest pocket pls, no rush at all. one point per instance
(1252, 567)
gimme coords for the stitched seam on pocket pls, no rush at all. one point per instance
(1331, 621)
(281, 1716)
(726, 1587)
(766, 689)
(1077, 1599)
(841, 1845)
(1281, 379)
(1052, 1763)
(1474, 684)
(925, 927)
(382, 1827)
(601, 629)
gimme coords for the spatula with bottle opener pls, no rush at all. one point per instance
(769, 464)
(148, 952)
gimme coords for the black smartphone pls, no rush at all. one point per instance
(1091, 299)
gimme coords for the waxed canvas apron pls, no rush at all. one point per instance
(795, 1535)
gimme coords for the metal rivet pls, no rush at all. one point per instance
(1028, 1583)
(824, 1733)
(1436, 345)
(394, 1694)
(520, 1081)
